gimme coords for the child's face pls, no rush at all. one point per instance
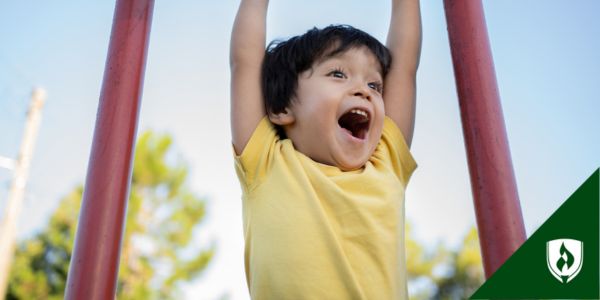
(337, 115)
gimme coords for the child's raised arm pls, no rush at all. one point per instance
(246, 55)
(404, 41)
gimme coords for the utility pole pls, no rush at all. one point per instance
(8, 229)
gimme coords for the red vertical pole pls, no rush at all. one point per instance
(95, 262)
(499, 218)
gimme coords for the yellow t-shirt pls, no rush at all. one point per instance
(313, 231)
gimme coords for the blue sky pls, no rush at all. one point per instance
(547, 59)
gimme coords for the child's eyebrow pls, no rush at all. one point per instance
(329, 59)
(337, 61)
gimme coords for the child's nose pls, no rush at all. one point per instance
(362, 93)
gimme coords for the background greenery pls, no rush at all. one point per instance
(156, 253)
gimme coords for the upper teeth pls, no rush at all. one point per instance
(360, 112)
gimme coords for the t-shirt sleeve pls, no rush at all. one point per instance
(254, 161)
(393, 150)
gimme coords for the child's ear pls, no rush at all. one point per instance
(286, 117)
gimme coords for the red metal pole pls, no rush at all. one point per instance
(95, 263)
(499, 218)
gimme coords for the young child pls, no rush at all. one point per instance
(322, 124)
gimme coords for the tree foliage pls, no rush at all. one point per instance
(465, 275)
(157, 251)
(443, 273)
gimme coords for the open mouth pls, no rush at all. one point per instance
(356, 122)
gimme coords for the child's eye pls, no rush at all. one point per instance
(337, 74)
(376, 86)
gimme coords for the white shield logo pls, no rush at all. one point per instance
(564, 258)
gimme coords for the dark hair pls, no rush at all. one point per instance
(285, 60)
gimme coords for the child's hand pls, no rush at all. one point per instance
(404, 42)
(246, 54)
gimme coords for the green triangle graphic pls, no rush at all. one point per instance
(527, 273)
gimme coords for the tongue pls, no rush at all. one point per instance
(355, 124)
(347, 131)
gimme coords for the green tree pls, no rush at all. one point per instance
(156, 249)
(465, 274)
(421, 264)
(443, 273)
